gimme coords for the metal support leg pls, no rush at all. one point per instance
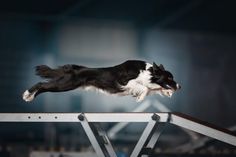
(148, 133)
(153, 139)
(98, 138)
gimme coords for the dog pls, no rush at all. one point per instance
(133, 77)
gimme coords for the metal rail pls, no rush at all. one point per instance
(149, 137)
(74, 117)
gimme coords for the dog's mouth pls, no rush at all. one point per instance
(168, 91)
(174, 88)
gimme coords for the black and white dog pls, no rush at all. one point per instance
(133, 77)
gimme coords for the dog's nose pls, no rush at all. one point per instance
(178, 86)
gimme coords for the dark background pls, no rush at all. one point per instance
(194, 39)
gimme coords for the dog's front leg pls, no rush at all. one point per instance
(142, 93)
(137, 90)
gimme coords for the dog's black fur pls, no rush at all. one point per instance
(110, 79)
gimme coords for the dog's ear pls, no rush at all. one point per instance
(161, 67)
(158, 68)
(155, 67)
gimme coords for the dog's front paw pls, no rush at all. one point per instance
(141, 97)
(27, 96)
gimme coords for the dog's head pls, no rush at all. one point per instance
(164, 79)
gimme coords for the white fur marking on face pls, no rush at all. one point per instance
(146, 75)
(148, 65)
(27, 96)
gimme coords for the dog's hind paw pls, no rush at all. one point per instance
(27, 96)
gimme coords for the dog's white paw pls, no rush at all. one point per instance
(27, 96)
(141, 97)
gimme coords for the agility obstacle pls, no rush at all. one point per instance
(99, 139)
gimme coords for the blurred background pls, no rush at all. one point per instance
(194, 39)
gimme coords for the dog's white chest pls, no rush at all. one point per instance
(138, 87)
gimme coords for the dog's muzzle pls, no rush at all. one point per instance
(174, 88)
(178, 86)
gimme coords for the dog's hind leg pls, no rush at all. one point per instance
(29, 94)
(65, 82)
(52, 86)
(39, 88)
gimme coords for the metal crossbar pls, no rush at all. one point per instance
(148, 139)
(74, 117)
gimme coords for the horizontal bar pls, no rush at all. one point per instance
(73, 117)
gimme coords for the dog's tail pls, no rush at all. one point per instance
(46, 72)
